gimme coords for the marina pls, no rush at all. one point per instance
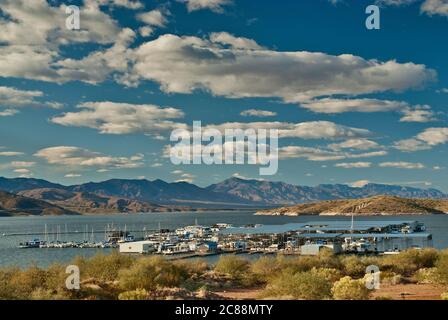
(366, 237)
(142, 225)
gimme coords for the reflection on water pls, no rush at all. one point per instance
(10, 255)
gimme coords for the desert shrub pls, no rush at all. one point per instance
(327, 259)
(352, 266)
(442, 267)
(6, 290)
(409, 261)
(232, 265)
(150, 273)
(24, 282)
(330, 274)
(427, 275)
(139, 294)
(390, 278)
(265, 268)
(349, 289)
(103, 267)
(194, 267)
(302, 285)
(444, 296)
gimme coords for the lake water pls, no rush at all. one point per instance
(10, 255)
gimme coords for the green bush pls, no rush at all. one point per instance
(103, 267)
(302, 285)
(232, 265)
(349, 289)
(139, 294)
(265, 268)
(442, 267)
(151, 273)
(409, 261)
(427, 276)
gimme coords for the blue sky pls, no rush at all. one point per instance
(101, 102)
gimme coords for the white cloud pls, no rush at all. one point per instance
(359, 184)
(184, 64)
(330, 105)
(22, 171)
(72, 175)
(122, 118)
(418, 114)
(226, 38)
(402, 165)
(23, 164)
(213, 5)
(33, 31)
(8, 112)
(128, 4)
(78, 157)
(99, 65)
(411, 145)
(10, 153)
(157, 18)
(303, 130)
(395, 2)
(435, 7)
(425, 140)
(434, 136)
(146, 31)
(12, 98)
(352, 165)
(258, 113)
(322, 154)
(355, 144)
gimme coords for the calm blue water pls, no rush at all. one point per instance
(10, 255)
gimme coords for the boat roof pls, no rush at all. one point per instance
(339, 225)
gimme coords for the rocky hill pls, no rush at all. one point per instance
(280, 193)
(17, 205)
(89, 203)
(378, 205)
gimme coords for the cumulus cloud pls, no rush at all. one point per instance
(323, 154)
(331, 105)
(418, 114)
(434, 136)
(128, 4)
(156, 17)
(12, 98)
(411, 145)
(226, 38)
(10, 153)
(32, 32)
(213, 5)
(122, 118)
(359, 183)
(402, 165)
(351, 165)
(72, 175)
(435, 7)
(425, 140)
(184, 64)
(79, 157)
(303, 130)
(258, 113)
(355, 144)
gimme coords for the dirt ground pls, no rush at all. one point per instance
(394, 292)
(410, 292)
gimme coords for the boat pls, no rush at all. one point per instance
(30, 244)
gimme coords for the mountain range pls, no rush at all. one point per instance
(124, 195)
(377, 205)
